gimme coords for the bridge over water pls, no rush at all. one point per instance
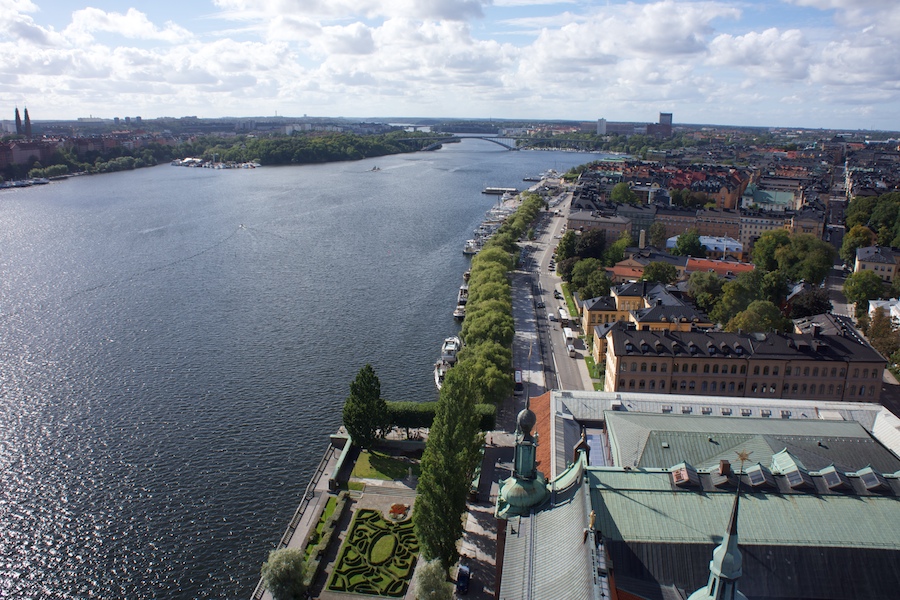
(511, 143)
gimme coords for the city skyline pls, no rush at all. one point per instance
(789, 63)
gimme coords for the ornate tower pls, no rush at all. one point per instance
(18, 122)
(725, 566)
(527, 487)
(27, 124)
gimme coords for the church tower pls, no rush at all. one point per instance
(725, 566)
(27, 124)
(527, 487)
(18, 122)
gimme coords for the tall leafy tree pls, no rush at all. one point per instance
(283, 574)
(863, 286)
(366, 415)
(566, 247)
(688, 244)
(705, 288)
(656, 235)
(598, 284)
(859, 236)
(623, 193)
(583, 269)
(882, 334)
(761, 316)
(807, 258)
(660, 271)
(763, 253)
(431, 582)
(811, 302)
(448, 464)
(616, 251)
(590, 244)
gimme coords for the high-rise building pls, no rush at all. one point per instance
(27, 124)
(601, 126)
(18, 122)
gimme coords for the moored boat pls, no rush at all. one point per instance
(450, 348)
(460, 313)
(463, 296)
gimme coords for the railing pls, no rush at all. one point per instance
(308, 495)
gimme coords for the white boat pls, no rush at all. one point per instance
(450, 348)
(472, 247)
(460, 313)
(463, 296)
(440, 370)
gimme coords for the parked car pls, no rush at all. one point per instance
(557, 295)
(540, 304)
(462, 580)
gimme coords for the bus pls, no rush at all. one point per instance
(569, 335)
(563, 317)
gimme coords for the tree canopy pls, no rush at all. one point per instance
(705, 288)
(863, 286)
(811, 302)
(859, 236)
(662, 272)
(688, 244)
(760, 316)
(623, 194)
(283, 574)
(656, 235)
(366, 415)
(566, 247)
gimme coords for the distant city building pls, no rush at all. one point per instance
(27, 124)
(601, 126)
(19, 130)
(881, 260)
(716, 247)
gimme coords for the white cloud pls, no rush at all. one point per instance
(454, 10)
(133, 24)
(772, 53)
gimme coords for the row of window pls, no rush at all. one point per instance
(731, 386)
(715, 368)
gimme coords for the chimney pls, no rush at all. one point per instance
(642, 243)
(724, 467)
(816, 329)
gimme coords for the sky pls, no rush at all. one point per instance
(785, 63)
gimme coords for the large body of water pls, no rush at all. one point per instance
(176, 345)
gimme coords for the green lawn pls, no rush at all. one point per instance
(373, 464)
(315, 537)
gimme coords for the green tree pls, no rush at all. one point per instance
(431, 582)
(366, 415)
(882, 334)
(861, 287)
(623, 194)
(688, 244)
(763, 253)
(760, 316)
(660, 271)
(448, 463)
(283, 574)
(656, 235)
(807, 258)
(566, 247)
(598, 284)
(859, 236)
(705, 288)
(616, 251)
(811, 302)
(859, 211)
(590, 244)
(737, 295)
(583, 269)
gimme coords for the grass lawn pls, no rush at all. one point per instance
(315, 537)
(373, 464)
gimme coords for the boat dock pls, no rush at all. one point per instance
(499, 191)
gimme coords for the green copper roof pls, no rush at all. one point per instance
(642, 506)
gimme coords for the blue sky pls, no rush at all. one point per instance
(801, 63)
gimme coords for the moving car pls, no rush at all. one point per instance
(462, 580)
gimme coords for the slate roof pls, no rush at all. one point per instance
(679, 312)
(878, 254)
(637, 439)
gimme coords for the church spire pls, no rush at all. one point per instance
(725, 566)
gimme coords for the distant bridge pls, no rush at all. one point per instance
(511, 143)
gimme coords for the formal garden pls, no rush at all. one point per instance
(378, 556)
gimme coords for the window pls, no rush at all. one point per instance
(843, 372)
(715, 368)
(694, 368)
(684, 368)
(683, 385)
(653, 367)
(634, 366)
(662, 368)
(753, 388)
(704, 386)
(706, 368)
(622, 385)
(740, 386)
(862, 391)
(838, 390)
(830, 389)
(756, 370)
(731, 386)
(803, 389)
(794, 389)
(787, 371)
(852, 390)
(855, 372)
(874, 373)
(816, 372)
(743, 369)
(871, 390)
(641, 384)
(775, 371)
(631, 383)
(833, 371)
(821, 389)
(712, 386)
(766, 370)
(691, 385)
(784, 389)
(652, 384)
(806, 371)
(643, 367)
(662, 385)
(624, 367)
